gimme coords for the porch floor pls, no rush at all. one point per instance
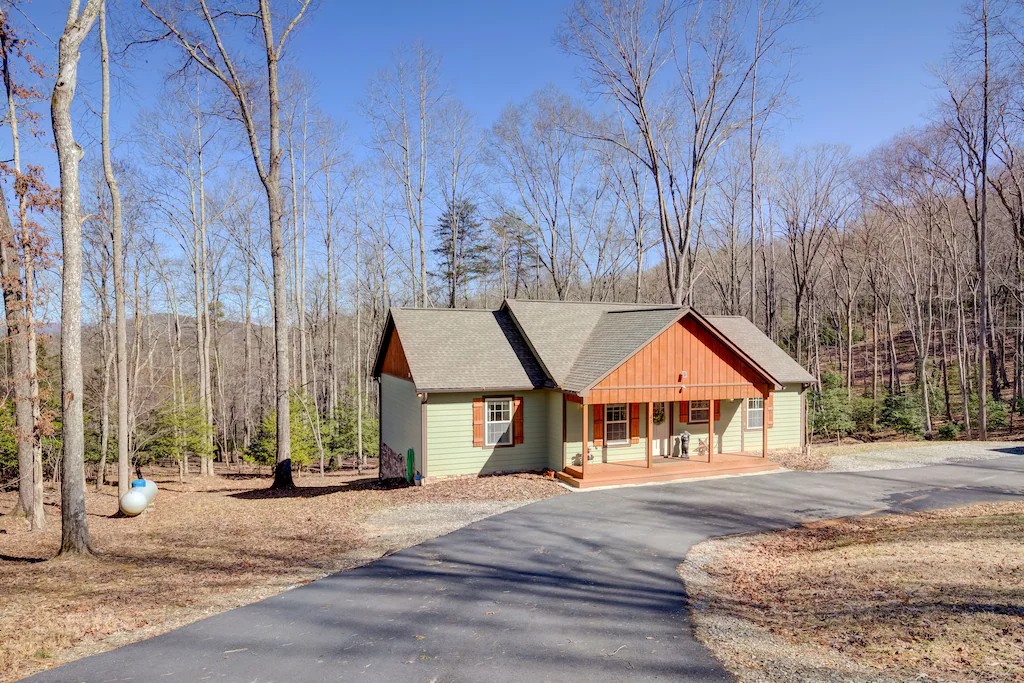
(664, 469)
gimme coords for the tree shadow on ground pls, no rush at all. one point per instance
(24, 560)
(315, 491)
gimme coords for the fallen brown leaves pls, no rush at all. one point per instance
(798, 459)
(938, 595)
(208, 546)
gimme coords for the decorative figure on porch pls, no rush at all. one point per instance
(684, 445)
(578, 458)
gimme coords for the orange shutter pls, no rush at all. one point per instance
(634, 423)
(684, 412)
(769, 409)
(598, 424)
(478, 422)
(517, 420)
(718, 410)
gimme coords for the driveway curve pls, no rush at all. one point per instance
(574, 588)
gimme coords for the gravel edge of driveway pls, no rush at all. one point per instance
(949, 453)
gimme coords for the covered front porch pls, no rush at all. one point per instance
(686, 402)
(658, 441)
(663, 469)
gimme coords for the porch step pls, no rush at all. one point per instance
(572, 475)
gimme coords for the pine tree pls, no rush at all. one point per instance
(263, 450)
(463, 252)
(343, 440)
(517, 253)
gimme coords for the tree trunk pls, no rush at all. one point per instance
(18, 304)
(944, 350)
(360, 457)
(982, 241)
(14, 306)
(117, 238)
(108, 362)
(272, 183)
(74, 525)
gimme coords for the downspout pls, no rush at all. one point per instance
(422, 474)
(804, 441)
(380, 427)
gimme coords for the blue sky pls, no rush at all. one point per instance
(861, 75)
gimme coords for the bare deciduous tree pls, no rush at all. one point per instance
(74, 525)
(222, 65)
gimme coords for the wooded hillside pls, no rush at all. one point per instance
(239, 249)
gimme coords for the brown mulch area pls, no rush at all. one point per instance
(208, 545)
(798, 459)
(929, 596)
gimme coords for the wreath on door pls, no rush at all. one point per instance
(659, 413)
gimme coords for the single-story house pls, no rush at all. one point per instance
(650, 389)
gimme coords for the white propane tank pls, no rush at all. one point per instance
(149, 490)
(134, 502)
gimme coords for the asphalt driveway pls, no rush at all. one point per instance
(575, 588)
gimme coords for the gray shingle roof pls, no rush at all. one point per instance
(618, 334)
(756, 344)
(556, 330)
(533, 344)
(455, 349)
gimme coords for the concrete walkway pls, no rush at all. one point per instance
(580, 587)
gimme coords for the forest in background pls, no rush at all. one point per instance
(240, 250)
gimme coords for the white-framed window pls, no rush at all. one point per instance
(755, 413)
(498, 422)
(616, 423)
(699, 411)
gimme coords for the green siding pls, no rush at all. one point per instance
(400, 416)
(554, 407)
(573, 432)
(450, 447)
(630, 451)
(731, 435)
(785, 431)
(698, 431)
(618, 453)
(729, 429)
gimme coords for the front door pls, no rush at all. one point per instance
(660, 445)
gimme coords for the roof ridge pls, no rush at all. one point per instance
(452, 310)
(586, 303)
(651, 309)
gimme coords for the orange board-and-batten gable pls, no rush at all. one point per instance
(395, 362)
(686, 362)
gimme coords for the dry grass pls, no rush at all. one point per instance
(209, 545)
(935, 595)
(798, 459)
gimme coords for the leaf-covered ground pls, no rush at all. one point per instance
(930, 596)
(210, 545)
